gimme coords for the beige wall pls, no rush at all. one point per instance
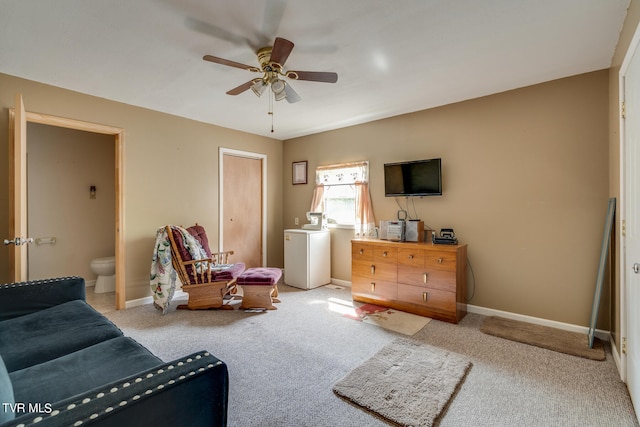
(62, 164)
(170, 174)
(525, 182)
(631, 22)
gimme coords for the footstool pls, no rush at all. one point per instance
(259, 287)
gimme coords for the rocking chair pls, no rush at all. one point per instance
(207, 280)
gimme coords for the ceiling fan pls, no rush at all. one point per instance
(272, 61)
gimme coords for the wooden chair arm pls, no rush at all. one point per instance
(221, 257)
(206, 272)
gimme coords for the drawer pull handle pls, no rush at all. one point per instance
(373, 287)
(424, 277)
(424, 296)
(440, 260)
(361, 251)
(373, 269)
(410, 256)
(384, 254)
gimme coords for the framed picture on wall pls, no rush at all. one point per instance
(299, 175)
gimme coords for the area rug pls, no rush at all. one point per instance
(568, 342)
(407, 383)
(388, 318)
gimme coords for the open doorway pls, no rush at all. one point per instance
(71, 205)
(18, 119)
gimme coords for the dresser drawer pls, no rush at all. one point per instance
(412, 275)
(376, 289)
(379, 271)
(441, 279)
(361, 251)
(442, 301)
(411, 257)
(385, 254)
(437, 279)
(440, 261)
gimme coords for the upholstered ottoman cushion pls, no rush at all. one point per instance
(259, 287)
(229, 272)
(260, 276)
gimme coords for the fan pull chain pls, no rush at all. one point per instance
(271, 109)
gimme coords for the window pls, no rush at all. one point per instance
(342, 193)
(340, 204)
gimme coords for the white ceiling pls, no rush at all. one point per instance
(392, 57)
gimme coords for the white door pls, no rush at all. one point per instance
(631, 211)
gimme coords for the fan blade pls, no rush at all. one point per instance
(215, 31)
(291, 95)
(238, 90)
(230, 63)
(314, 76)
(281, 50)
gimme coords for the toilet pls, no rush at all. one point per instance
(105, 269)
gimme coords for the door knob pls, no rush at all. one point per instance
(636, 268)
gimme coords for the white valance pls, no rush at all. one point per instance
(344, 173)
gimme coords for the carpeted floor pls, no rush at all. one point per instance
(284, 363)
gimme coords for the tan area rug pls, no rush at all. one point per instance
(388, 318)
(568, 342)
(407, 383)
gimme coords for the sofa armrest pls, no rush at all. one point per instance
(189, 391)
(18, 299)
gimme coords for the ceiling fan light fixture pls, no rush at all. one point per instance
(291, 95)
(278, 87)
(258, 87)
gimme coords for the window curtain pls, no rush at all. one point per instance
(317, 202)
(357, 174)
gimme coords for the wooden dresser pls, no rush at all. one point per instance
(420, 278)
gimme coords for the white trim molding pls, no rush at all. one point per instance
(603, 335)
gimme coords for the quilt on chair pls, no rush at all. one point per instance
(163, 275)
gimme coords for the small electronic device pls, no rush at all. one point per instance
(447, 237)
(414, 230)
(395, 231)
(447, 233)
(392, 230)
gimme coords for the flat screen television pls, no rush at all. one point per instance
(415, 178)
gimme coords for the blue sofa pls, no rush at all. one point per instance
(63, 364)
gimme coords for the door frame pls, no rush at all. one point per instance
(119, 137)
(249, 155)
(623, 291)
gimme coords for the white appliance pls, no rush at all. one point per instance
(307, 258)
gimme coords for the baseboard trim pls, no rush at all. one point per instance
(618, 360)
(339, 282)
(603, 335)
